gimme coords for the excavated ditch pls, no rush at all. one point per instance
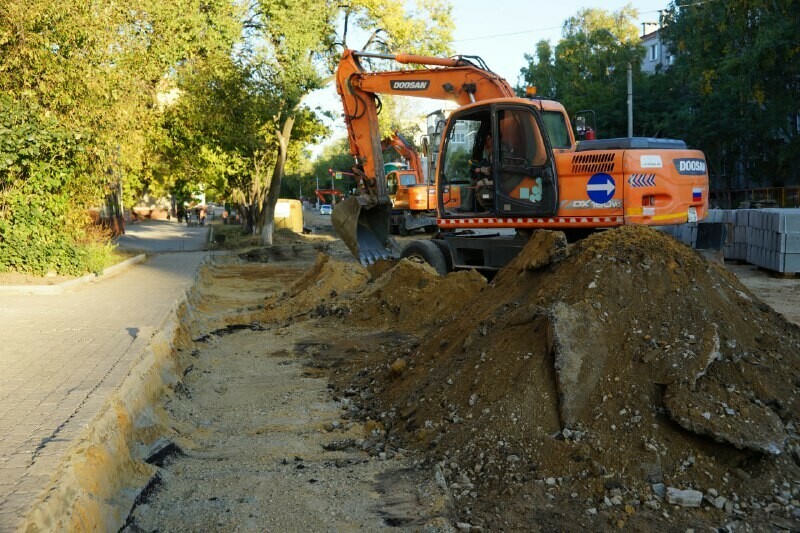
(255, 439)
(623, 381)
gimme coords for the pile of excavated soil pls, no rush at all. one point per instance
(318, 287)
(406, 296)
(413, 297)
(623, 372)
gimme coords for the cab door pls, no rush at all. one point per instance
(523, 166)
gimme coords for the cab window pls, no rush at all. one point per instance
(521, 142)
(391, 182)
(460, 147)
(556, 127)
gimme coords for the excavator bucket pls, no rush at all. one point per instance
(365, 230)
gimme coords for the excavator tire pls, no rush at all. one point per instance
(445, 249)
(428, 252)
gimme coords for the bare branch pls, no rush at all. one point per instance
(372, 38)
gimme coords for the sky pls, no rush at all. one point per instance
(502, 35)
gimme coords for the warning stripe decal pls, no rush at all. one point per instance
(543, 221)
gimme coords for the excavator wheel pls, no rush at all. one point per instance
(427, 252)
(445, 249)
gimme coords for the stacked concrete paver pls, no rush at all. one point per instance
(773, 239)
(61, 358)
(768, 238)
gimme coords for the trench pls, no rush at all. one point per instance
(245, 432)
(224, 423)
(250, 435)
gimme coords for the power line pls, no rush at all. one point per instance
(505, 34)
(523, 32)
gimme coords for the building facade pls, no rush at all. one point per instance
(658, 56)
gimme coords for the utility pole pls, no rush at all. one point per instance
(629, 53)
(630, 99)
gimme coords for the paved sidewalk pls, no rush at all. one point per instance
(62, 356)
(155, 236)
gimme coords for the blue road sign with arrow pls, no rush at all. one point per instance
(600, 188)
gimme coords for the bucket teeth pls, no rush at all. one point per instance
(371, 256)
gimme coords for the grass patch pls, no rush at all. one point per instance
(232, 237)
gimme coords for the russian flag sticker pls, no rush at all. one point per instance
(697, 194)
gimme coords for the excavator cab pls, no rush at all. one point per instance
(498, 161)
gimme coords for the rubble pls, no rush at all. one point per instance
(684, 498)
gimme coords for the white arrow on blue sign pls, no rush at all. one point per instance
(600, 188)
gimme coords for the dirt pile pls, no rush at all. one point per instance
(405, 296)
(413, 297)
(615, 378)
(318, 288)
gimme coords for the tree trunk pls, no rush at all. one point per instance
(274, 190)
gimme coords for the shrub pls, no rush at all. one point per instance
(45, 187)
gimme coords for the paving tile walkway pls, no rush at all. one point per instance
(62, 356)
(155, 236)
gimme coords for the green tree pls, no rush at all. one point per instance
(737, 77)
(42, 179)
(334, 156)
(100, 69)
(588, 67)
(300, 51)
(540, 72)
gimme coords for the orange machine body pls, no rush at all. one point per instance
(408, 188)
(328, 196)
(647, 187)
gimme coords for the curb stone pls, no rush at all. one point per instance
(87, 493)
(71, 284)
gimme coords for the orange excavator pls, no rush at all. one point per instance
(506, 166)
(413, 196)
(328, 196)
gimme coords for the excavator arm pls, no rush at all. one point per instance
(404, 148)
(363, 221)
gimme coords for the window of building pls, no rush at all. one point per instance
(653, 52)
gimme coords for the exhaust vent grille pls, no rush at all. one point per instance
(593, 163)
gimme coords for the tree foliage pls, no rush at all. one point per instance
(736, 87)
(168, 98)
(76, 66)
(42, 168)
(587, 69)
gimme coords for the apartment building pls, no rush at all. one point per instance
(658, 56)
